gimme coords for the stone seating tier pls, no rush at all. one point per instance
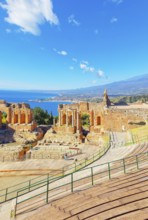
(125, 197)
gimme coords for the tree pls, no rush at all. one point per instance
(42, 117)
(85, 119)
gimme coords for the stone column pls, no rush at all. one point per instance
(73, 118)
(94, 119)
(26, 118)
(91, 118)
(12, 118)
(77, 121)
(59, 117)
(19, 117)
(66, 118)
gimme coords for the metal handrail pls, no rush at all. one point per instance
(124, 167)
(71, 169)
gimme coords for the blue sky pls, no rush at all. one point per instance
(68, 44)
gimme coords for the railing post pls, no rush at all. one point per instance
(124, 166)
(71, 182)
(29, 185)
(137, 162)
(6, 194)
(63, 171)
(16, 205)
(75, 166)
(47, 189)
(109, 174)
(92, 177)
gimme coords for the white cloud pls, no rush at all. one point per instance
(86, 68)
(117, 1)
(100, 73)
(29, 14)
(72, 20)
(91, 69)
(62, 52)
(114, 20)
(74, 60)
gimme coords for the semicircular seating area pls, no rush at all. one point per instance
(122, 198)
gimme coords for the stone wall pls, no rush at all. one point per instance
(101, 116)
(19, 116)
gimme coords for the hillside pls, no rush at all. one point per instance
(133, 86)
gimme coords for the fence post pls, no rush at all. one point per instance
(71, 182)
(29, 185)
(75, 166)
(16, 205)
(6, 194)
(137, 162)
(92, 177)
(109, 174)
(63, 171)
(124, 166)
(47, 189)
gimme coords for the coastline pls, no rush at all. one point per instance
(55, 100)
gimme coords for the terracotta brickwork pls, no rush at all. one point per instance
(18, 116)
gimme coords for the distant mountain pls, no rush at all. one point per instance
(133, 86)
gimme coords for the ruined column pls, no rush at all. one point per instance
(19, 117)
(73, 118)
(77, 121)
(91, 118)
(66, 118)
(59, 117)
(26, 118)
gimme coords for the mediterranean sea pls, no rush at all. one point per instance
(32, 97)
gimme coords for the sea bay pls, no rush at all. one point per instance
(32, 98)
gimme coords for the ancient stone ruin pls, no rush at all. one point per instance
(102, 117)
(19, 117)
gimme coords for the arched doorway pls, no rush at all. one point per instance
(98, 120)
(70, 120)
(64, 119)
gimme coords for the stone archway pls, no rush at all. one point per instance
(23, 118)
(64, 119)
(98, 120)
(15, 118)
(70, 120)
